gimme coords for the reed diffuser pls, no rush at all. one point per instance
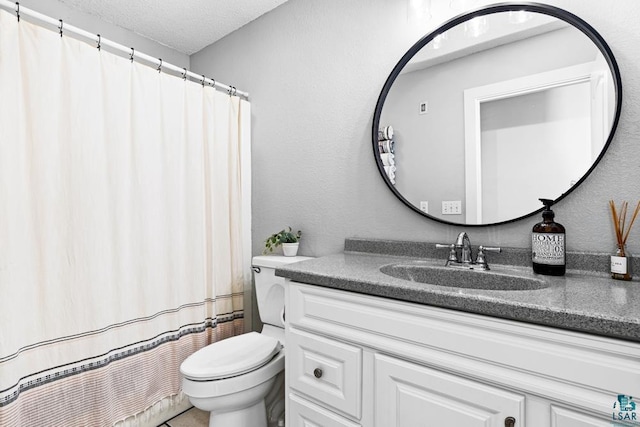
(620, 265)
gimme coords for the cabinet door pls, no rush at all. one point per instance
(303, 413)
(410, 395)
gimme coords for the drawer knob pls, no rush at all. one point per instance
(509, 422)
(317, 372)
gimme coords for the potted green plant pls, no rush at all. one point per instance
(287, 238)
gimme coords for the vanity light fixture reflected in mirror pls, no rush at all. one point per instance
(495, 109)
(418, 11)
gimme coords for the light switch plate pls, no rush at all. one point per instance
(451, 207)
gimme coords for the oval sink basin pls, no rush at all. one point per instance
(462, 278)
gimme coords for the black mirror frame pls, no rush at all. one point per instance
(556, 12)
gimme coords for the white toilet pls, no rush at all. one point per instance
(234, 377)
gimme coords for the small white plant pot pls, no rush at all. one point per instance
(290, 249)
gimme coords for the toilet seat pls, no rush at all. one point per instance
(261, 363)
(215, 388)
(230, 357)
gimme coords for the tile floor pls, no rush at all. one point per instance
(193, 417)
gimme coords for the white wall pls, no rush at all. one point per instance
(314, 71)
(92, 24)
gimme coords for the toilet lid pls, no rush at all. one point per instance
(230, 357)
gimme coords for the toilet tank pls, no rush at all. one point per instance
(269, 287)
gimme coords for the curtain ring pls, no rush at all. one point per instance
(203, 79)
(213, 83)
(133, 51)
(18, 10)
(61, 24)
(99, 42)
(184, 74)
(160, 65)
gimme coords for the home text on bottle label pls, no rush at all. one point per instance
(548, 248)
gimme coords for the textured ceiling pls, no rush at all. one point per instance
(184, 25)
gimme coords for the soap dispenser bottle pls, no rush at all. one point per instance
(548, 244)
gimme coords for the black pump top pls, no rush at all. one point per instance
(547, 212)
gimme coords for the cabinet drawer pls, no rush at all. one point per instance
(325, 370)
(306, 414)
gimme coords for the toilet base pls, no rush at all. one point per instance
(254, 416)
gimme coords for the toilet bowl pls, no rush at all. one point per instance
(234, 393)
(231, 378)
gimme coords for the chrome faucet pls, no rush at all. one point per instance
(461, 254)
(463, 248)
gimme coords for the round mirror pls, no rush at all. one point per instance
(495, 109)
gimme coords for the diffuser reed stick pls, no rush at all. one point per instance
(619, 264)
(633, 218)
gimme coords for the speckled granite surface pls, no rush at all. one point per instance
(509, 256)
(582, 301)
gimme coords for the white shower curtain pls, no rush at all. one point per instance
(122, 239)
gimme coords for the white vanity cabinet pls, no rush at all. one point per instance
(358, 360)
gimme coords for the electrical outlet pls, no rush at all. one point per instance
(424, 207)
(424, 107)
(451, 207)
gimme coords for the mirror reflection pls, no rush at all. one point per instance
(497, 112)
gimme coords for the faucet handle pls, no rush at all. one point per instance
(452, 251)
(481, 260)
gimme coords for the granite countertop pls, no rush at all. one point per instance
(582, 301)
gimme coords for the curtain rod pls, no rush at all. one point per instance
(129, 51)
